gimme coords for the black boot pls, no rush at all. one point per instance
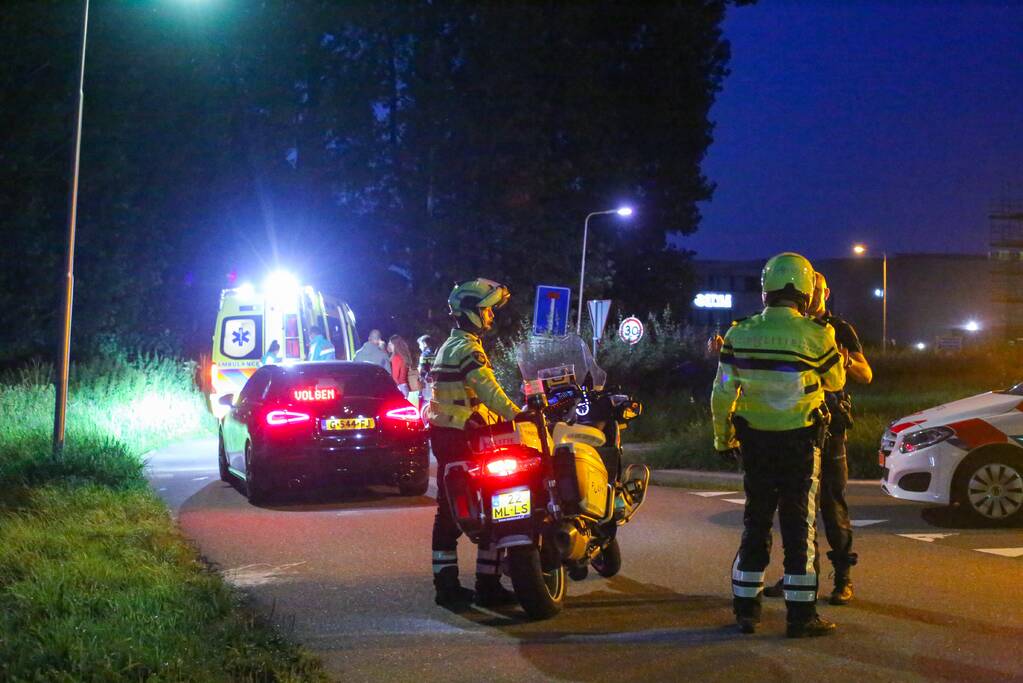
(490, 592)
(843, 592)
(809, 629)
(747, 624)
(775, 590)
(450, 592)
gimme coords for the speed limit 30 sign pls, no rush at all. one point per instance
(631, 330)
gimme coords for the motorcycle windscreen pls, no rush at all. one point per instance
(552, 359)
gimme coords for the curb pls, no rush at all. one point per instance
(695, 478)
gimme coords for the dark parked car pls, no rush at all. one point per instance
(320, 423)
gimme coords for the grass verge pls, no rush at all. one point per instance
(96, 582)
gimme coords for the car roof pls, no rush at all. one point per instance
(349, 365)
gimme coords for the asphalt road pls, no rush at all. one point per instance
(349, 576)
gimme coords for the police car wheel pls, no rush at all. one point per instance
(990, 489)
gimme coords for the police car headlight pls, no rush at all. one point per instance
(924, 438)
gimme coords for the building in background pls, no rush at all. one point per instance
(946, 300)
(1006, 266)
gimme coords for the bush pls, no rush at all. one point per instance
(904, 382)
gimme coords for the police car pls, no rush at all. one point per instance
(966, 453)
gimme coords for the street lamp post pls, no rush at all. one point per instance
(624, 212)
(860, 250)
(60, 407)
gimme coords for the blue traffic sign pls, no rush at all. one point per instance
(550, 314)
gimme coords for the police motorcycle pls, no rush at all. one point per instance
(549, 488)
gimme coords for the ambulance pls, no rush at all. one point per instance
(250, 320)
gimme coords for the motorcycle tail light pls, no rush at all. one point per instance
(503, 467)
(276, 418)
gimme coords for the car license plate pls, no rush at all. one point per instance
(338, 424)
(508, 505)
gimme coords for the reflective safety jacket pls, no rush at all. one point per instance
(773, 371)
(321, 349)
(426, 360)
(464, 386)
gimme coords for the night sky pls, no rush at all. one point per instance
(896, 124)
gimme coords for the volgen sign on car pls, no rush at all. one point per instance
(631, 330)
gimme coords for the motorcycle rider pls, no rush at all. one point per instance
(768, 400)
(465, 395)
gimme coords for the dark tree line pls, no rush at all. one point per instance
(381, 149)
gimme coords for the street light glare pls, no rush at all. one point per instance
(972, 326)
(859, 249)
(625, 211)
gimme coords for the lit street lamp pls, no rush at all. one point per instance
(624, 212)
(860, 250)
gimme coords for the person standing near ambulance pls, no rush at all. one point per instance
(320, 347)
(768, 403)
(465, 395)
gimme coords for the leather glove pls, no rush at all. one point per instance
(730, 455)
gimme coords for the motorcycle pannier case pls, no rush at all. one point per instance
(582, 480)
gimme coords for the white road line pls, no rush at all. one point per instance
(866, 522)
(926, 538)
(737, 501)
(1004, 552)
(709, 494)
(200, 479)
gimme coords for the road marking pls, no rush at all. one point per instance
(737, 501)
(162, 488)
(258, 574)
(1004, 552)
(867, 522)
(926, 538)
(709, 494)
(200, 479)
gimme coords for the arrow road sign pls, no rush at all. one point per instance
(599, 308)
(550, 314)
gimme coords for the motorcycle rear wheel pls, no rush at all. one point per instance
(541, 593)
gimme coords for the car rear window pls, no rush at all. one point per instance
(360, 380)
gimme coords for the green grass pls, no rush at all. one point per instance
(903, 384)
(96, 582)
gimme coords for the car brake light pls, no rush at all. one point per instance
(404, 414)
(276, 418)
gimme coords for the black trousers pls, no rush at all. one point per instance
(782, 472)
(452, 445)
(834, 508)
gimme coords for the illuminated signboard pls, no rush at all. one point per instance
(713, 300)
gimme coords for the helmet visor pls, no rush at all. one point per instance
(496, 297)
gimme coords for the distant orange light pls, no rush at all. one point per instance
(859, 249)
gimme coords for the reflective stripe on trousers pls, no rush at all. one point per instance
(746, 584)
(443, 559)
(488, 562)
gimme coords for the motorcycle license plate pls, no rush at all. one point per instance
(345, 423)
(512, 504)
